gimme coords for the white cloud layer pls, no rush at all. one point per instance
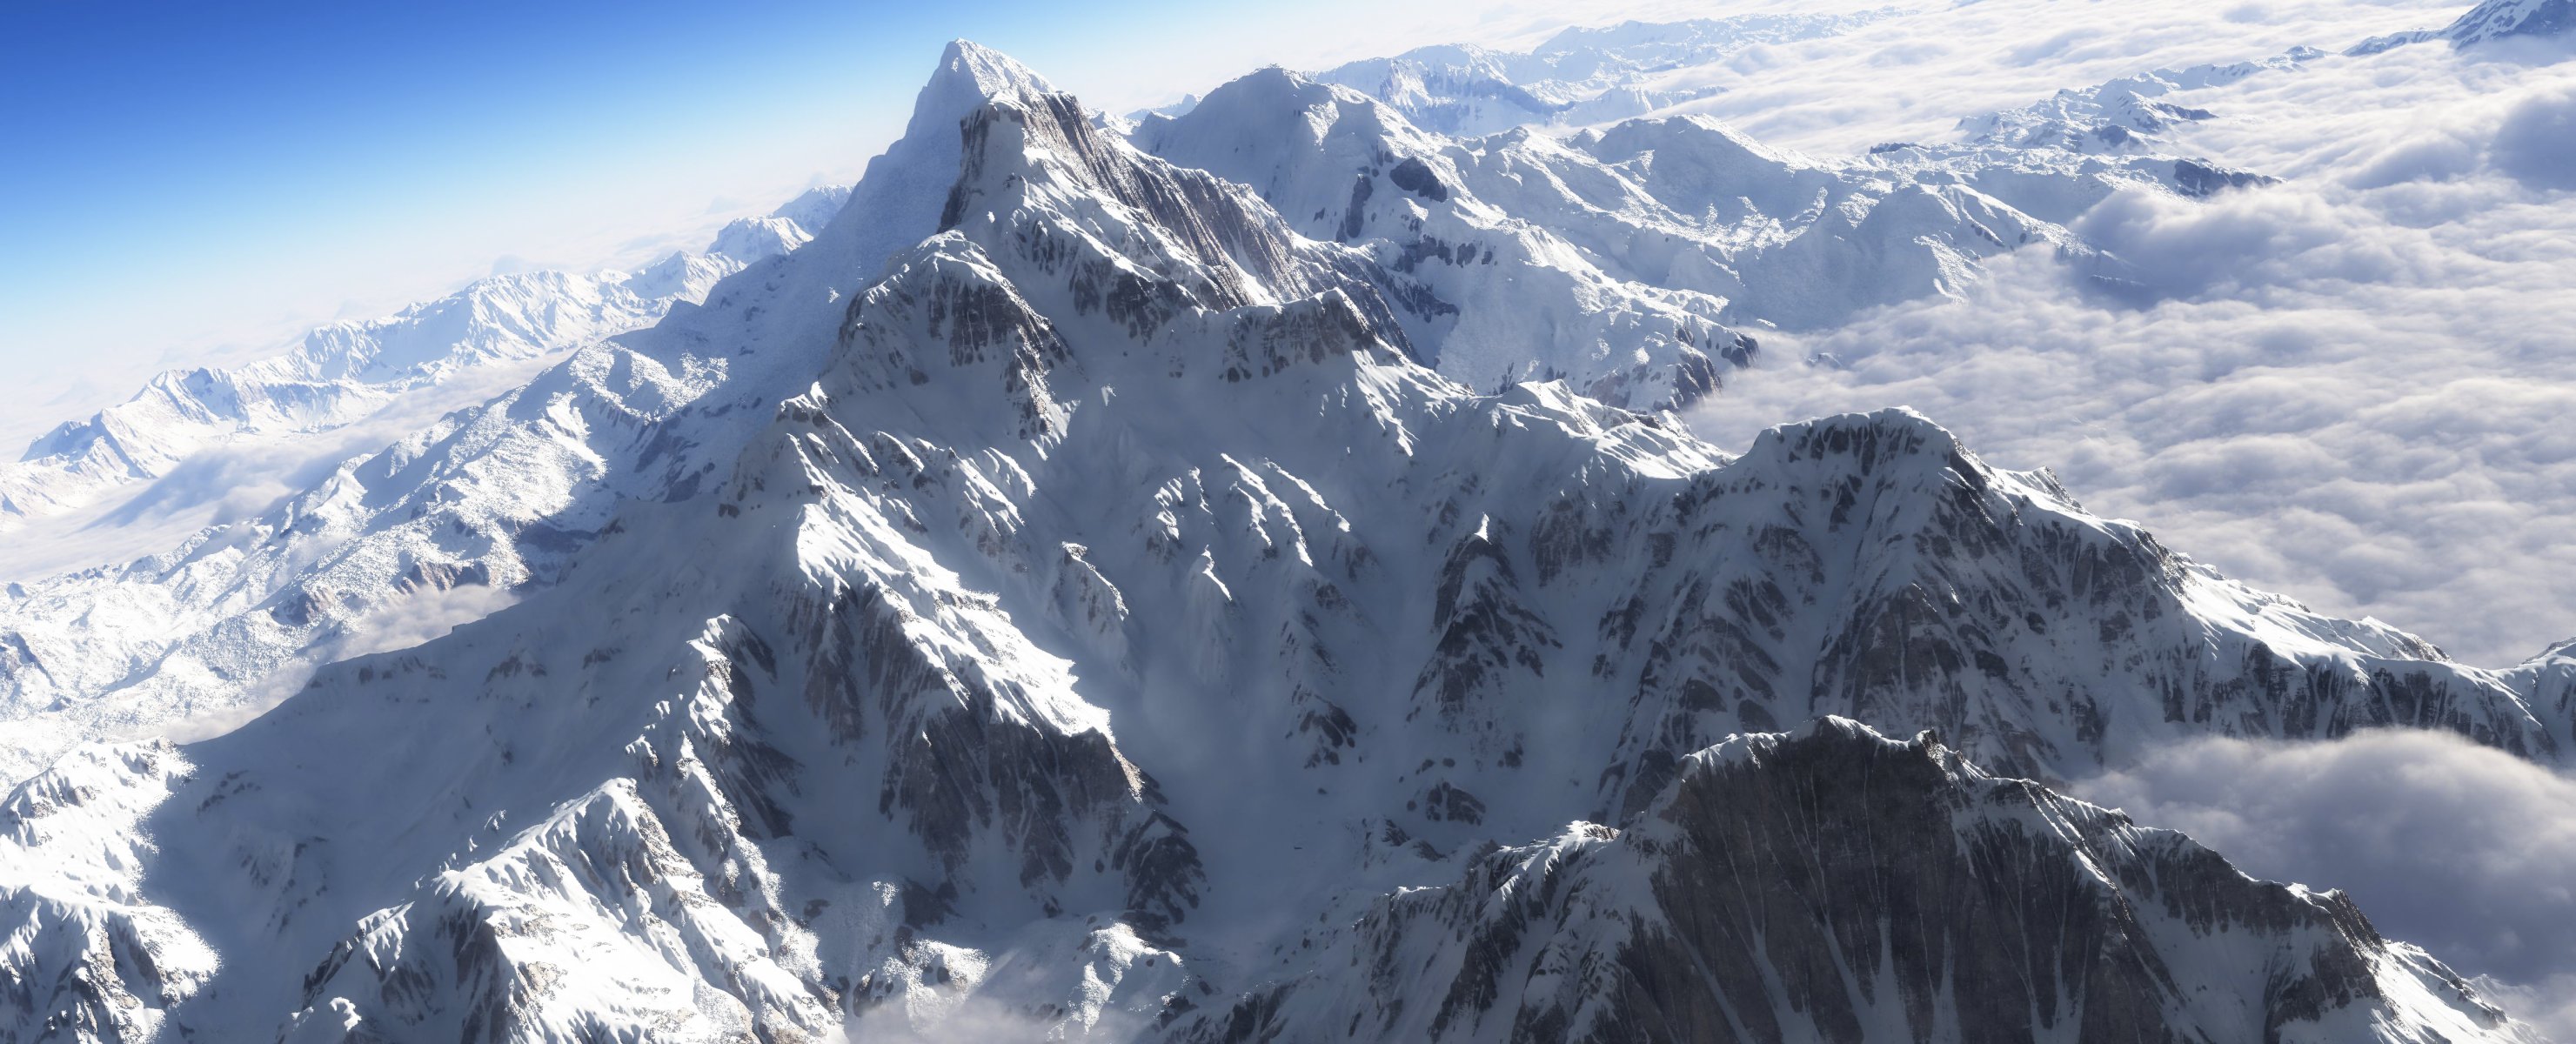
(2459, 848)
(1913, 77)
(2353, 387)
(2356, 387)
(401, 624)
(234, 480)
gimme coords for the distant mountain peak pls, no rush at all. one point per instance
(2491, 20)
(985, 619)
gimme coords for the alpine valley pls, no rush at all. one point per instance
(1229, 574)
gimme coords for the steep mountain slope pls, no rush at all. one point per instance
(1837, 885)
(444, 525)
(385, 542)
(1345, 169)
(1629, 263)
(1107, 533)
(1605, 259)
(2490, 20)
(2049, 161)
(345, 371)
(2547, 682)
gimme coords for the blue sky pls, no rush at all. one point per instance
(191, 184)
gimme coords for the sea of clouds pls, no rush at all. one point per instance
(2458, 848)
(2351, 387)
(2354, 387)
(2346, 387)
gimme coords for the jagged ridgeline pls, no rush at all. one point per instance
(1628, 263)
(1065, 598)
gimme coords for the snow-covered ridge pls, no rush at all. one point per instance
(447, 524)
(345, 371)
(2006, 179)
(1833, 884)
(2490, 20)
(1633, 282)
(2125, 115)
(1579, 77)
(984, 618)
(1637, 263)
(1633, 240)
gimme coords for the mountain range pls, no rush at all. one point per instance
(1220, 576)
(2491, 20)
(342, 373)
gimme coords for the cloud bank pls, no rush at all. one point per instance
(1911, 78)
(2353, 387)
(2459, 848)
(236, 478)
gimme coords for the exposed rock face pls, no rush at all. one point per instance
(993, 631)
(507, 489)
(2491, 20)
(2197, 179)
(1642, 245)
(1629, 263)
(1981, 607)
(90, 957)
(1837, 885)
(2547, 682)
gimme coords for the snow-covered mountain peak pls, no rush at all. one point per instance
(760, 237)
(1039, 160)
(2490, 20)
(1254, 104)
(1893, 436)
(2499, 19)
(1677, 43)
(815, 208)
(968, 75)
(1094, 505)
(2126, 115)
(1581, 76)
(1911, 895)
(1748, 749)
(436, 355)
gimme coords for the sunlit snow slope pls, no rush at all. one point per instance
(985, 619)
(347, 371)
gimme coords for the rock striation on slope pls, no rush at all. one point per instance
(2490, 20)
(1834, 884)
(2040, 165)
(1630, 263)
(984, 618)
(1608, 258)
